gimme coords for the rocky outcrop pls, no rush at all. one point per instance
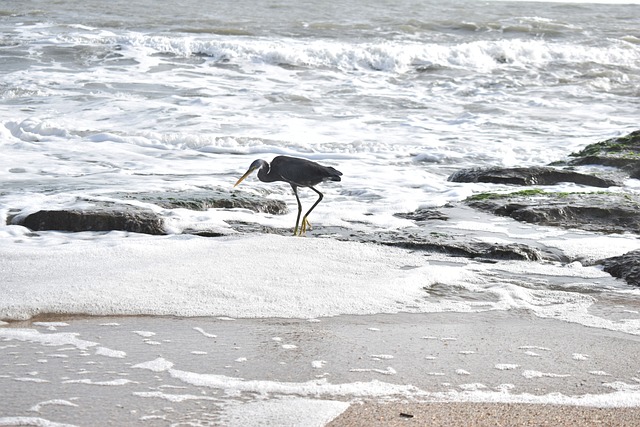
(107, 216)
(626, 267)
(621, 152)
(96, 219)
(601, 212)
(530, 176)
(606, 212)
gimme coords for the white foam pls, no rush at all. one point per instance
(506, 366)
(157, 365)
(145, 334)
(625, 395)
(53, 339)
(31, 421)
(289, 411)
(596, 247)
(388, 371)
(316, 277)
(206, 334)
(116, 382)
(112, 275)
(381, 356)
(54, 402)
(537, 374)
(103, 351)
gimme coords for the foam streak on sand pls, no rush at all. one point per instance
(623, 397)
(31, 421)
(285, 379)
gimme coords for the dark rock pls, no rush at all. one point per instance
(107, 216)
(470, 249)
(601, 212)
(104, 219)
(529, 176)
(422, 215)
(626, 267)
(418, 239)
(211, 199)
(621, 152)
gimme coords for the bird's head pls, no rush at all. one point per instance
(257, 164)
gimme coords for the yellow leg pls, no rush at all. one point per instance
(305, 225)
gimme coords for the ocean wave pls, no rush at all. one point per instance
(380, 55)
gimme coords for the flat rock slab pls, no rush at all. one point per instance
(200, 200)
(600, 212)
(530, 176)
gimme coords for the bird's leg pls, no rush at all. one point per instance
(305, 221)
(305, 225)
(295, 191)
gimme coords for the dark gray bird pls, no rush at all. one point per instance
(298, 173)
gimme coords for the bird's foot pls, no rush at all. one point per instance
(306, 225)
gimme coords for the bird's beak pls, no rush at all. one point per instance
(246, 174)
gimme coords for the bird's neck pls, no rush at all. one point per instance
(265, 175)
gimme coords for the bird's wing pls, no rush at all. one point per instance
(300, 172)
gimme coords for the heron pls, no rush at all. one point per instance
(298, 173)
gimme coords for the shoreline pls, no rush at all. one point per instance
(306, 372)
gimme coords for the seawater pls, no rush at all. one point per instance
(178, 96)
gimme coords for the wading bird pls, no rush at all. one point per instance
(298, 173)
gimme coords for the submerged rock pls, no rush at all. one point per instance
(602, 212)
(468, 248)
(529, 176)
(422, 215)
(201, 200)
(626, 267)
(95, 219)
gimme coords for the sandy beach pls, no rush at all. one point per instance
(483, 415)
(403, 369)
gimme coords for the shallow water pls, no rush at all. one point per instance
(273, 372)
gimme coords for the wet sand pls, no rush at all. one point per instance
(219, 371)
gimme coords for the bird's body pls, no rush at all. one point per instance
(298, 173)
